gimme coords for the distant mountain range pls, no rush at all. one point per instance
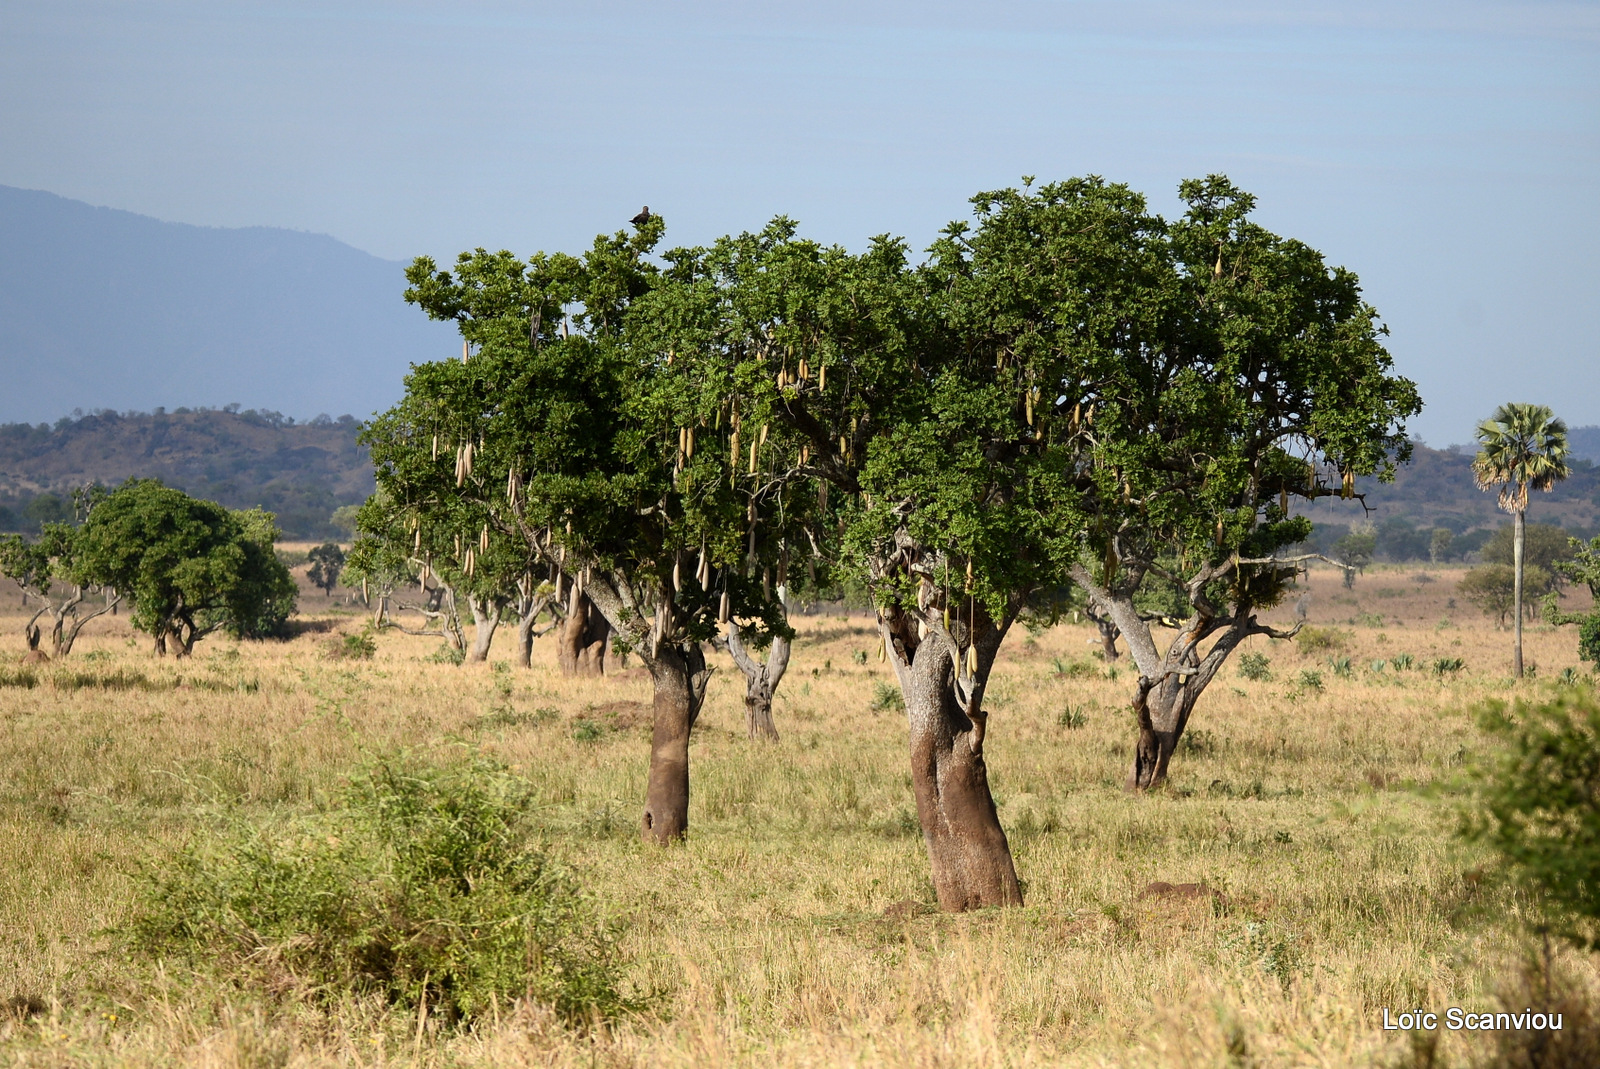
(107, 309)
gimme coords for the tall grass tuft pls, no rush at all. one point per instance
(425, 886)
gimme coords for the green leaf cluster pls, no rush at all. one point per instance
(588, 433)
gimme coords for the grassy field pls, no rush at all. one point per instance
(795, 925)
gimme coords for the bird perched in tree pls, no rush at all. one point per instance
(642, 218)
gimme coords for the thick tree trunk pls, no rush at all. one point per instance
(679, 675)
(186, 634)
(592, 658)
(1161, 709)
(1516, 550)
(485, 618)
(760, 682)
(523, 654)
(758, 715)
(1162, 713)
(967, 849)
(57, 620)
(582, 638)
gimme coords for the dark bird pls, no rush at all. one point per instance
(642, 218)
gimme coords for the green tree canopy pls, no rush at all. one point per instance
(1069, 372)
(1492, 588)
(583, 428)
(189, 567)
(1537, 807)
(43, 569)
(327, 561)
(1521, 448)
(1544, 546)
(1583, 566)
(1257, 376)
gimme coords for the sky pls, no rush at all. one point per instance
(1448, 153)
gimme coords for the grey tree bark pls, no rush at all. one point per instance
(438, 610)
(1170, 684)
(760, 681)
(1108, 634)
(64, 638)
(1518, 535)
(65, 620)
(533, 598)
(485, 619)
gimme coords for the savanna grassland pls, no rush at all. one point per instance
(795, 926)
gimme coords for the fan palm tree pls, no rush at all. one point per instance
(1520, 448)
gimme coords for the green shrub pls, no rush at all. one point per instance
(1073, 717)
(587, 731)
(357, 647)
(20, 678)
(1535, 804)
(1402, 662)
(447, 654)
(1341, 667)
(1589, 638)
(360, 647)
(425, 884)
(859, 656)
(1448, 665)
(1321, 639)
(1309, 680)
(886, 697)
(1254, 666)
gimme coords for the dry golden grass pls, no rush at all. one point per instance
(793, 927)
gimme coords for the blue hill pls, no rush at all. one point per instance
(1585, 442)
(102, 308)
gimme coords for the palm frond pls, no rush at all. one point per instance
(1521, 448)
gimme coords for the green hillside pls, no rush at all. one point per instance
(300, 471)
(1436, 490)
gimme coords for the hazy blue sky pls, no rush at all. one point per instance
(1447, 152)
